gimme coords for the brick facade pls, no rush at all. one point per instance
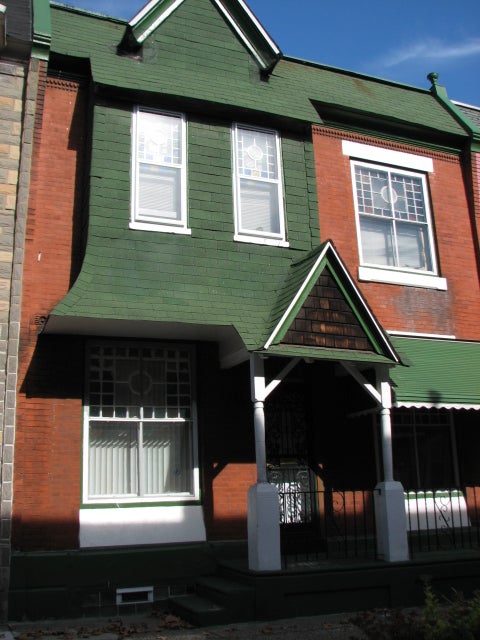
(49, 407)
(398, 307)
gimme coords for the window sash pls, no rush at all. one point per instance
(394, 225)
(258, 183)
(140, 430)
(159, 169)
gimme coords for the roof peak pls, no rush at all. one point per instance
(237, 14)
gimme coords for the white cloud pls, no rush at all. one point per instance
(432, 49)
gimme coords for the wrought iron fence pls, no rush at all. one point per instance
(443, 519)
(326, 524)
(323, 525)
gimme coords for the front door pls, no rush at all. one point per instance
(288, 465)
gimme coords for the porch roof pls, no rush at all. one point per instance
(439, 373)
(325, 353)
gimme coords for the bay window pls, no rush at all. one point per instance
(139, 424)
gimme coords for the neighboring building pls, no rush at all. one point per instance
(198, 336)
(21, 48)
(399, 213)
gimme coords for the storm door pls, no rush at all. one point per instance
(288, 468)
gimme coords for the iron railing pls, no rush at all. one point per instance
(443, 519)
(319, 525)
(329, 524)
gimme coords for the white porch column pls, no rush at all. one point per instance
(391, 520)
(263, 505)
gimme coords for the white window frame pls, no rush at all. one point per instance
(251, 235)
(159, 223)
(403, 163)
(181, 497)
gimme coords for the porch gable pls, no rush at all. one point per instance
(320, 308)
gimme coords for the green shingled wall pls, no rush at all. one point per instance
(204, 278)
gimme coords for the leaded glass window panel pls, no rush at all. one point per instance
(394, 223)
(140, 431)
(159, 169)
(258, 183)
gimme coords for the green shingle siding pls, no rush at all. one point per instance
(203, 278)
(195, 54)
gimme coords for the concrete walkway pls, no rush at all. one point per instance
(164, 626)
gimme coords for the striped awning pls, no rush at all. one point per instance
(440, 373)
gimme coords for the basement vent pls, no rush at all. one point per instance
(134, 595)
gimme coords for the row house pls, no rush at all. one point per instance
(248, 340)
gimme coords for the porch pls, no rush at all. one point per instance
(330, 526)
(330, 560)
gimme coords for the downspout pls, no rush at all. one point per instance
(473, 162)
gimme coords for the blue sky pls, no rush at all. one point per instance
(402, 42)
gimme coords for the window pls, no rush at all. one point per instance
(394, 224)
(159, 172)
(393, 218)
(423, 452)
(140, 436)
(258, 186)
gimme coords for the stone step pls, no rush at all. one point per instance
(198, 610)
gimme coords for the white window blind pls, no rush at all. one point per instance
(159, 169)
(258, 185)
(140, 423)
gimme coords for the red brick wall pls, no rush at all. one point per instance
(49, 405)
(397, 307)
(475, 177)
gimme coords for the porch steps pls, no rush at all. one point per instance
(217, 600)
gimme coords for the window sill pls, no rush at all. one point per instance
(163, 228)
(272, 242)
(135, 501)
(389, 276)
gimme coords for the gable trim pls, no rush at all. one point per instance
(157, 11)
(246, 41)
(156, 23)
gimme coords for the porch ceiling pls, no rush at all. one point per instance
(440, 373)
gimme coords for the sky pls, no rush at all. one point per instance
(400, 41)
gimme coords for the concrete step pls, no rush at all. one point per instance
(198, 610)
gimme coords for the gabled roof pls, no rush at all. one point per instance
(242, 21)
(213, 69)
(320, 313)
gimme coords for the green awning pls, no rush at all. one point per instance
(440, 373)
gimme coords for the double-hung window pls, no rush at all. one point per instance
(393, 218)
(159, 172)
(259, 214)
(394, 221)
(140, 442)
